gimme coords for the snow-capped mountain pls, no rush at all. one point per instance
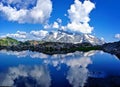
(66, 37)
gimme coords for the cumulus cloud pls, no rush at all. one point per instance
(23, 36)
(20, 3)
(39, 34)
(79, 16)
(40, 13)
(18, 35)
(117, 36)
(84, 28)
(47, 26)
(55, 25)
(59, 20)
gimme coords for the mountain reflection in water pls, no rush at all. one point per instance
(78, 69)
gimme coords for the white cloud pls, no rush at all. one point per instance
(20, 3)
(47, 26)
(84, 28)
(55, 25)
(59, 20)
(65, 14)
(102, 39)
(63, 27)
(39, 34)
(18, 35)
(40, 13)
(117, 36)
(23, 36)
(79, 16)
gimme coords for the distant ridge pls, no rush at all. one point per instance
(68, 37)
(7, 41)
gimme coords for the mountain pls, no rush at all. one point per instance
(66, 37)
(7, 41)
(83, 42)
(113, 48)
(31, 42)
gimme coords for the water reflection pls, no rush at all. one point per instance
(77, 63)
(38, 55)
(26, 76)
(19, 54)
(78, 72)
(71, 59)
(81, 69)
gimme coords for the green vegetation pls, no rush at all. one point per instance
(8, 41)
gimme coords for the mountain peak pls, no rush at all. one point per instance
(68, 37)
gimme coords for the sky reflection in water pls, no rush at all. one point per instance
(38, 69)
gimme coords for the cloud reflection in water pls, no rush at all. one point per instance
(77, 73)
(26, 76)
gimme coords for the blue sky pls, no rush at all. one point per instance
(104, 17)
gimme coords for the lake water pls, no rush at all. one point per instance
(78, 69)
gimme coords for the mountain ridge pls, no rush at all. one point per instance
(8, 41)
(57, 47)
(67, 37)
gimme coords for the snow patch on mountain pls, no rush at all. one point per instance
(66, 37)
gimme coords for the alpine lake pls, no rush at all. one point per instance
(78, 69)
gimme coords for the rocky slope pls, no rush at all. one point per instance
(65, 37)
(66, 43)
(113, 48)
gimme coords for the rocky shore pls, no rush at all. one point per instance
(52, 47)
(57, 47)
(112, 48)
